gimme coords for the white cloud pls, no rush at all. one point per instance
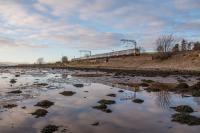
(62, 7)
(92, 24)
(6, 42)
(40, 7)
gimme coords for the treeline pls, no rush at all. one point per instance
(40, 61)
(185, 46)
(166, 45)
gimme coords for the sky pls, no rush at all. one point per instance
(30, 29)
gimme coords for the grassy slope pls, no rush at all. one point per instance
(181, 61)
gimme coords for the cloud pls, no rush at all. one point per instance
(6, 42)
(94, 24)
(191, 25)
(115, 14)
(41, 7)
(84, 38)
(18, 14)
(187, 4)
(62, 7)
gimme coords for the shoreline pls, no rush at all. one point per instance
(120, 71)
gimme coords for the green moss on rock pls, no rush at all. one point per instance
(50, 129)
(40, 113)
(183, 109)
(185, 118)
(45, 104)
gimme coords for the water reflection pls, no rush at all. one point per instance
(197, 100)
(76, 112)
(163, 99)
(131, 95)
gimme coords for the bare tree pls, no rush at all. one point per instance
(165, 46)
(40, 61)
(165, 43)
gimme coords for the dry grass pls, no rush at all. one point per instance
(181, 61)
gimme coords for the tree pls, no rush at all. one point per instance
(184, 45)
(189, 46)
(165, 43)
(164, 47)
(40, 61)
(64, 59)
(196, 46)
(176, 48)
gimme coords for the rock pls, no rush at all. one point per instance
(183, 109)
(107, 102)
(185, 118)
(147, 81)
(95, 124)
(40, 113)
(103, 108)
(100, 107)
(108, 111)
(13, 81)
(9, 106)
(67, 93)
(16, 91)
(45, 104)
(17, 75)
(79, 85)
(49, 129)
(120, 91)
(138, 101)
(111, 95)
(24, 107)
(40, 84)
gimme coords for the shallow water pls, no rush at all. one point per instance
(75, 113)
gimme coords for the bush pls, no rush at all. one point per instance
(196, 46)
(163, 56)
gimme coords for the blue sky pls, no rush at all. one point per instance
(51, 28)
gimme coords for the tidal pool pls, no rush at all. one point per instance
(74, 112)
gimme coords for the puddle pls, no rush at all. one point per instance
(135, 109)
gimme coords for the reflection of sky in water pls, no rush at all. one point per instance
(76, 114)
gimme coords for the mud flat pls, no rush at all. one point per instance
(144, 72)
(81, 101)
